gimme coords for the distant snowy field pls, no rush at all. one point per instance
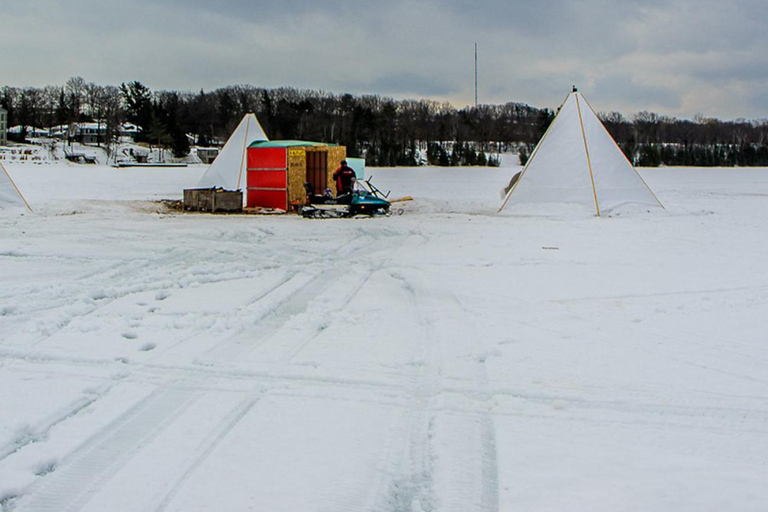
(449, 359)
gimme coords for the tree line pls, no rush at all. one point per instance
(387, 132)
(651, 140)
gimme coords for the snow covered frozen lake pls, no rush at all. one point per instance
(449, 359)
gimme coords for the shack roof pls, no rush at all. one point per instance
(286, 144)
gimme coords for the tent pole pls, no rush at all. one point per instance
(586, 148)
(242, 152)
(13, 184)
(530, 158)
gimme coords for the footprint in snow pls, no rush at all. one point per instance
(43, 468)
(129, 335)
(162, 295)
(147, 347)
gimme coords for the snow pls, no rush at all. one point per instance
(450, 358)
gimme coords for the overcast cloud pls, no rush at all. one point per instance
(677, 58)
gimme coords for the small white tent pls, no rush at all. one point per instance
(10, 196)
(578, 162)
(227, 170)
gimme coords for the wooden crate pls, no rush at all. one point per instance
(213, 200)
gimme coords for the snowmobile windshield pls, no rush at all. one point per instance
(361, 186)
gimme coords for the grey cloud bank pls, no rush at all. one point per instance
(677, 58)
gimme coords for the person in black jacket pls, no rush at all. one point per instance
(345, 179)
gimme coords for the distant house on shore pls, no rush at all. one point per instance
(207, 155)
(92, 132)
(21, 133)
(130, 130)
(3, 126)
(58, 131)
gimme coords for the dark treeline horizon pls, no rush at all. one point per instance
(387, 132)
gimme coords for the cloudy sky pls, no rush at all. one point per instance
(679, 58)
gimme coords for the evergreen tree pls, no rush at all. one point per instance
(179, 143)
(139, 111)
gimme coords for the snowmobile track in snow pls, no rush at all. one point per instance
(206, 448)
(81, 474)
(471, 474)
(40, 431)
(409, 486)
(321, 276)
(88, 286)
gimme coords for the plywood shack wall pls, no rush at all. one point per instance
(335, 155)
(297, 169)
(297, 174)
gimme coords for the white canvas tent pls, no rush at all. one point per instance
(578, 162)
(228, 170)
(10, 196)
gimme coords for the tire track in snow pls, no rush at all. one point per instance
(293, 352)
(266, 294)
(40, 432)
(149, 372)
(71, 295)
(271, 321)
(400, 383)
(466, 477)
(209, 446)
(206, 448)
(684, 293)
(489, 473)
(80, 475)
(292, 348)
(410, 488)
(87, 294)
(711, 365)
(274, 320)
(352, 291)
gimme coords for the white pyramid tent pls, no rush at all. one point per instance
(578, 162)
(10, 196)
(228, 170)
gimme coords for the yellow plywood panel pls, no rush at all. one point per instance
(335, 155)
(297, 169)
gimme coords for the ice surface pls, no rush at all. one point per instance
(446, 359)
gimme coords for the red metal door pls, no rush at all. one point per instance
(267, 178)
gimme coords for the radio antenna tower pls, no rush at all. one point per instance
(475, 75)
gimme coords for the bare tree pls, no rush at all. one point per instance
(111, 107)
(75, 92)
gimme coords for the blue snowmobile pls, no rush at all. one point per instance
(365, 199)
